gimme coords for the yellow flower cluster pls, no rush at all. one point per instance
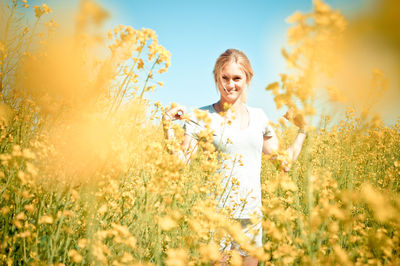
(40, 10)
(86, 176)
(314, 43)
(128, 45)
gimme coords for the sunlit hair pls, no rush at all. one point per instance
(233, 56)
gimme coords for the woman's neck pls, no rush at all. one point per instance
(236, 107)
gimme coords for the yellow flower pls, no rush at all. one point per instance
(2, 48)
(209, 252)
(31, 169)
(296, 17)
(25, 234)
(17, 224)
(102, 210)
(38, 11)
(272, 86)
(321, 7)
(152, 87)
(46, 219)
(75, 256)
(236, 258)
(30, 208)
(121, 230)
(28, 154)
(177, 257)
(5, 210)
(380, 205)
(227, 106)
(166, 223)
(341, 255)
(140, 63)
(126, 258)
(21, 216)
(46, 9)
(131, 242)
(288, 185)
(336, 212)
(82, 243)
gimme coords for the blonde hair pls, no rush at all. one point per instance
(233, 56)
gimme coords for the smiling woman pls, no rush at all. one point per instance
(242, 133)
(233, 79)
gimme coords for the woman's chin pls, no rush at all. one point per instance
(231, 97)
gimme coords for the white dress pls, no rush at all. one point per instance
(244, 147)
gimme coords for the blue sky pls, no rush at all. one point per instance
(197, 32)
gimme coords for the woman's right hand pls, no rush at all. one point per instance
(176, 112)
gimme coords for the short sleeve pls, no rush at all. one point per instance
(268, 130)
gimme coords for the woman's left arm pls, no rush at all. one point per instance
(271, 145)
(294, 150)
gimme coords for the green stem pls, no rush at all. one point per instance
(148, 77)
(60, 223)
(125, 83)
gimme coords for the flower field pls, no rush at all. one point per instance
(87, 177)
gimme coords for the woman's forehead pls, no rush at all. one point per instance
(232, 68)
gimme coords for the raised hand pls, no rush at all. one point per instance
(296, 117)
(176, 112)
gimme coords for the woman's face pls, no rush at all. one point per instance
(232, 83)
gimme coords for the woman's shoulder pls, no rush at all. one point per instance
(258, 114)
(197, 117)
(195, 113)
(256, 111)
(207, 108)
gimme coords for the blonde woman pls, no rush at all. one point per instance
(244, 138)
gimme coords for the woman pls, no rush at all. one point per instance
(243, 138)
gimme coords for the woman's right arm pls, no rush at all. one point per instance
(188, 145)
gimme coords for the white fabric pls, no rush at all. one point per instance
(244, 164)
(252, 231)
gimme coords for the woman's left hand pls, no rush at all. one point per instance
(297, 118)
